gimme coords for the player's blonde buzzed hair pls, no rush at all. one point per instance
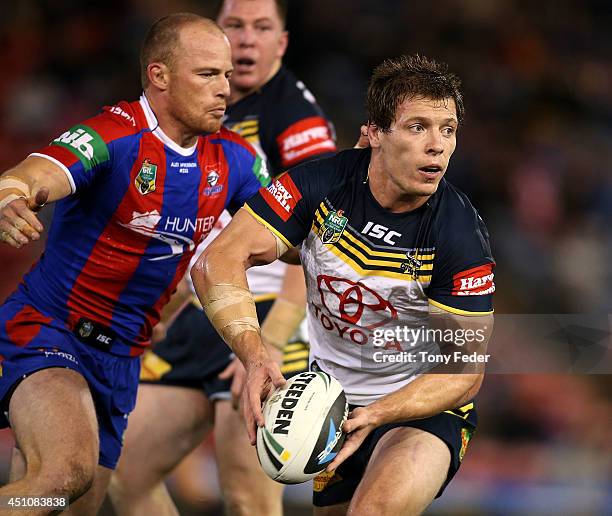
(162, 40)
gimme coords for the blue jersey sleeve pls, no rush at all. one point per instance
(247, 171)
(462, 279)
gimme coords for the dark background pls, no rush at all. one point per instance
(534, 156)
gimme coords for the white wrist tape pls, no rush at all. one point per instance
(12, 188)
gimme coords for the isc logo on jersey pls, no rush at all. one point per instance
(85, 143)
(382, 232)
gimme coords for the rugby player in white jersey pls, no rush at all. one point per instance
(387, 244)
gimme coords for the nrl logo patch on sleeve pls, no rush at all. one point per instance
(145, 180)
(333, 227)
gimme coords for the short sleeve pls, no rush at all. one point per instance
(463, 278)
(86, 148)
(247, 171)
(286, 205)
(302, 132)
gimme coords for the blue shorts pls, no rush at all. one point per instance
(31, 341)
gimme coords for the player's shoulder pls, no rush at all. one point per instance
(455, 206)
(457, 218)
(339, 170)
(225, 136)
(117, 120)
(290, 93)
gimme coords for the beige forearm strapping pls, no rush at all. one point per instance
(231, 310)
(281, 322)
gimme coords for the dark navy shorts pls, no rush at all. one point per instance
(193, 354)
(454, 427)
(31, 341)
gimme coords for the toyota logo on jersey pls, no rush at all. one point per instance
(354, 302)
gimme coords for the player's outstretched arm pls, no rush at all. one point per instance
(220, 281)
(24, 190)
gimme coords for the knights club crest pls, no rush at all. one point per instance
(333, 227)
(145, 180)
(85, 329)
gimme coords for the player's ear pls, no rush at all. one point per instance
(374, 135)
(282, 43)
(158, 75)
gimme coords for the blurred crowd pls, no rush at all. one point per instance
(533, 155)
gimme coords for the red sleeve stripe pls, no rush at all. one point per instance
(305, 138)
(476, 281)
(282, 196)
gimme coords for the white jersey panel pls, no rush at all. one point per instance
(346, 310)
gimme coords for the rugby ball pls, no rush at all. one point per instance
(302, 430)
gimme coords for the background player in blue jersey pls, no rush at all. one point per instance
(274, 112)
(387, 244)
(138, 187)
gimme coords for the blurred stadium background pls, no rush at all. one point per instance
(534, 156)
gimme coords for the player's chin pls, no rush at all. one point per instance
(426, 189)
(211, 125)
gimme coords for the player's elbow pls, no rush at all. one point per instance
(198, 270)
(219, 258)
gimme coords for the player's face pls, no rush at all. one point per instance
(415, 154)
(258, 40)
(198, 85)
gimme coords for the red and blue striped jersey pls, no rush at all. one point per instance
(140, 205)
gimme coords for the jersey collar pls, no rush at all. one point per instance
(157, 131)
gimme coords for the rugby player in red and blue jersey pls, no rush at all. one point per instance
(192, 369)
(138, 187)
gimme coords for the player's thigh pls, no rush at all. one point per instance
(239, 468)
(166, 424)
(405, 472)
(54, 421)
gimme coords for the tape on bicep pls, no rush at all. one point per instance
(281, 247)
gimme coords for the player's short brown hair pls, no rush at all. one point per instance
(162, 40)
(397, 79)
(281, 9)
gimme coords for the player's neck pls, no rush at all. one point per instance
(171, 127)
(388, 194)
(237, 95)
